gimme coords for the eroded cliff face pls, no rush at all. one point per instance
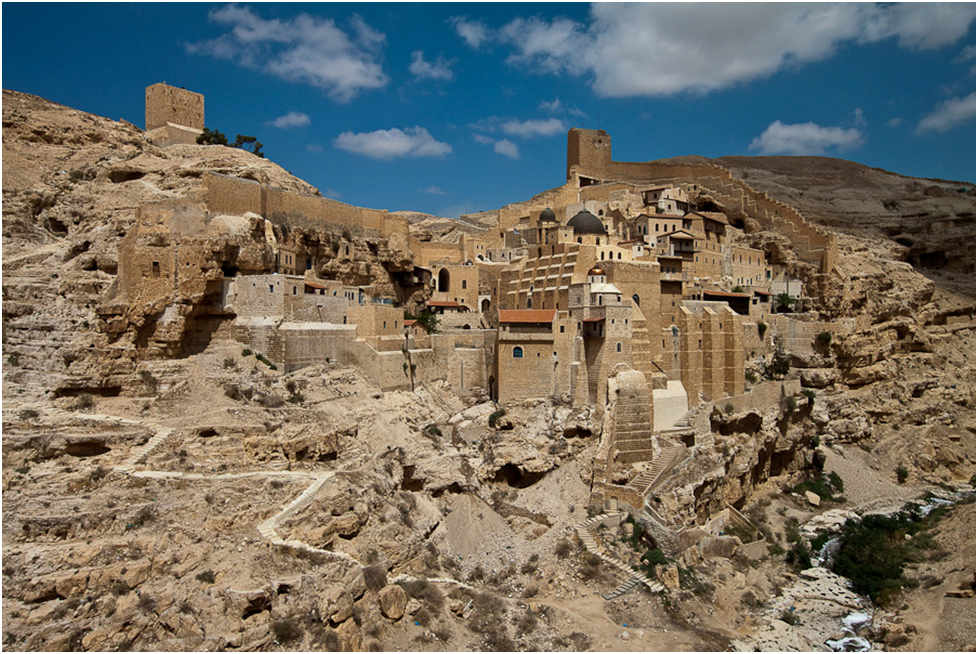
(172, 548)
(72, 185)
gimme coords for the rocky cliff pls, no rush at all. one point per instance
(197, 499)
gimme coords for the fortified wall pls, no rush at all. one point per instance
(589, 162)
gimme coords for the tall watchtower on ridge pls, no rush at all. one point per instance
(173, 115)
(588, 154)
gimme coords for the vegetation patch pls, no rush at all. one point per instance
(874, 551)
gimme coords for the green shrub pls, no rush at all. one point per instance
(810, 394)
(286, 630)
(902, 474)
(84, 401)
(836, 481)
(563, 549)
(789, 617)
(207, 577)
(246, 352)
(496, 415)
(824, 338)
(729, 409)
(750, 376)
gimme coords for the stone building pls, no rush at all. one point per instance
(173, 115)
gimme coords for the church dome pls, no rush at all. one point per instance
(548, 215)
(586, 222)
(597, 271)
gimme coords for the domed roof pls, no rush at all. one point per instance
(548, 215)
(597, 270)
(586, 222)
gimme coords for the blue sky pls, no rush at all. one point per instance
(452, 108)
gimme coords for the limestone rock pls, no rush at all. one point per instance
(392, 600)
(336, 604)
(812, 498)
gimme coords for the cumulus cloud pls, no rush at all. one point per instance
(504, 147)
(949, 114)
(660, 49)
(473, 32)
(440, 69)
(392, 143)
(290, 120)
(303, 49)
(433, 190)
(533, 128)
(805, 138)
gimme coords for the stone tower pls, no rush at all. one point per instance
(588, 153)
(173, 115)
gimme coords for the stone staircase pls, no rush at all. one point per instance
(434, 396)
(633, 577)
(141, 453)
(646, 482)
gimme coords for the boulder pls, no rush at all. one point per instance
(812, 498)
(393, 601)
(336, 605)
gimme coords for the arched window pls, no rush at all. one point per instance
(602, 256)
(619, 255)
(485, 306)
(580, 240)
(529, 302)
(464, 284)
(619, 347)
(443, 280)
(517, 352)
(636, 300)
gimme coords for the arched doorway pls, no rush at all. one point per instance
(443, 280)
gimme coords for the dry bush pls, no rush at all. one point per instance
(375, 577)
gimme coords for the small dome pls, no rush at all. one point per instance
(548, 215)
(596, 271)
(586, 222)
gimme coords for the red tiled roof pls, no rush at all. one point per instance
(527, 315)
(758, 291)
(409, 322)
(441, 303)
(593, 320)
(681, 236)
(634, 240)
(311, 285)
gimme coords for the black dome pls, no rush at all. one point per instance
(548, 215)
(586, 222)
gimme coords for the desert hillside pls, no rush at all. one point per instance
(193, 496)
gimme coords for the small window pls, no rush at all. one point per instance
(517, 352)
(271, 288)
(464, 284)
(619, 347)
(156, 268)
(295, 290)
(385, 324)
(561, 329)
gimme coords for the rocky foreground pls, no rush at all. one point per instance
(213, 502)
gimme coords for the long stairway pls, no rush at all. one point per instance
(633, 577)
(646, 482)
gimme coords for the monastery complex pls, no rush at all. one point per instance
(632, 288)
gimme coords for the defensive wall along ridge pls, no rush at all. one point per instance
(589, 161)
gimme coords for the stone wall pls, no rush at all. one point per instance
(168, 104)
(589, 158)
(232, 195)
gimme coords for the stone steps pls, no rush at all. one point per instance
(633, 578)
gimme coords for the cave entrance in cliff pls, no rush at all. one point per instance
(443, 280)
(516, 478)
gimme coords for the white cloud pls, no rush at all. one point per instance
(473, 32)
(660, 49)
(948, 114)
(554, 107)
(433, 190)
(533, 128)
(304, 49)
(291, 119)
(504, 147)
(314, 147)
(333, 193)
(392, 143)
(441, 69)
(805, 138)
(894, 122)
(968, 54)
(557, 107)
